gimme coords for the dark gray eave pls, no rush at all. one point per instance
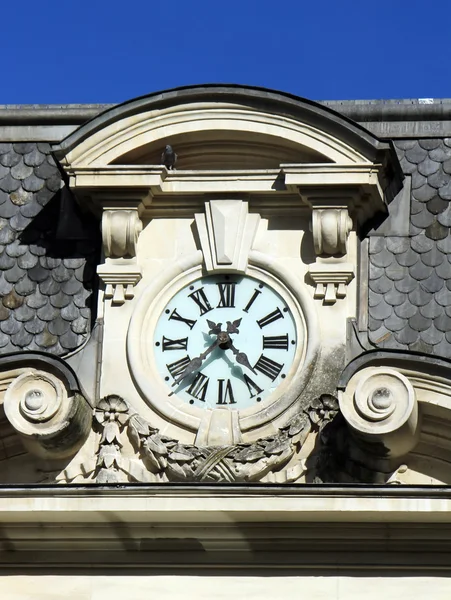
(385, 118)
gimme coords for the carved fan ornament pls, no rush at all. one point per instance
(164, 459)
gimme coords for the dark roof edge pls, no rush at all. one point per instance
(358, 110)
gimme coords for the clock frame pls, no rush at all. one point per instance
(231, 426)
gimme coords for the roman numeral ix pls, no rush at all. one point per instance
(180, 344)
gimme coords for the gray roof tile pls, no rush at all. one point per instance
(438, 179)
(406, 309)
(395, 323)
(406, 335)
(381, 311)
(21, 170)
(34, 158)
(431, 310)
(433, 258)
(10, 159)
(424, 193)
(437, 205)
(24, 147)
(416, 154)
(441, 154)
(9, 184)
(428, 166)
(33, 274)
(33, 183)
(419, 322)
(433, 283)
(435, 231)
(430, 144)
(432, 335)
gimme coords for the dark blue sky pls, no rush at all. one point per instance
(97, 51)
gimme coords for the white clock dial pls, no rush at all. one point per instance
(225, 341)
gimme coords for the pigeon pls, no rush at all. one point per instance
(169, 158)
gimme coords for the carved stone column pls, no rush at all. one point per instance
(380, 407)
(52, 421)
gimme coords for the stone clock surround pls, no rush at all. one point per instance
(161, 228)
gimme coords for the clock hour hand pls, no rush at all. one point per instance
(195, 363)
(241, 357)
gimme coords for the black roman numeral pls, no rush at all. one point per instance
(226, 295)
(180, 344)
(176, 368)
(201, 300)
(274, 316)
(198, 388)
(251, 385)
(176, 317)
(225, 392)
(252, 300)
(279, 342)
(268, 367)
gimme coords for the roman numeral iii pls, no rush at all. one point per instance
(268, 367)
(277, 342)
(201, 300)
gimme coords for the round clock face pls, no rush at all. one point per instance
(225, 341)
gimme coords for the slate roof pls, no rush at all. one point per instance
(410, 277)
(46, 283)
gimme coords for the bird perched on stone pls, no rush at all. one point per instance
(169, 158)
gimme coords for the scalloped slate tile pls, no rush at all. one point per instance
(32, 275)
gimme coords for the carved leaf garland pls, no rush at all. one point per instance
(166, 459)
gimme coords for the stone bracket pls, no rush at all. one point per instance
(226, 232)
(331, 280)
(120, 280)
(120, 232)
(330, 227)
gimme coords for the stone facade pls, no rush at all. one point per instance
(343, 411)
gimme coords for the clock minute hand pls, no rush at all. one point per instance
(195, 363)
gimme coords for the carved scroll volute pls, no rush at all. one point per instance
(331, 228)
(379, 405)
(120, 232)
(51, 422)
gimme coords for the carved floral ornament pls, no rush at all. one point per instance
(165, 459)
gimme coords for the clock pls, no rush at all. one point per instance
(222, 357)
(225, 341)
